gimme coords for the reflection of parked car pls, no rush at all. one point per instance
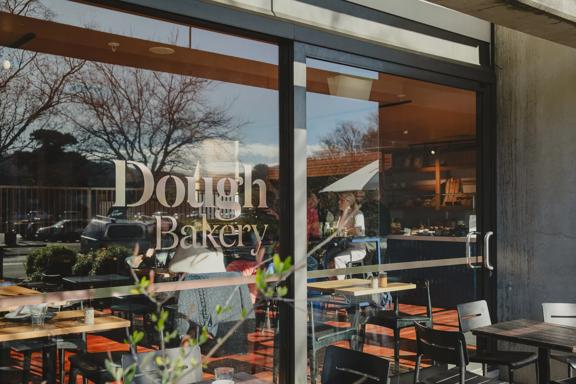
(64, 230)
(28, 224)
(103, 232)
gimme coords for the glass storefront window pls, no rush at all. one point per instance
(133, 147)
(391, 176)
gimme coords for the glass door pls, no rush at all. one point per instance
(392, 189)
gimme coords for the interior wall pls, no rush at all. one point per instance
(536, 154)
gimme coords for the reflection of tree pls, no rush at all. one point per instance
(32, 88)
(32, 8)
(351, 137)
(50, 163)
(151, 117)
(29, 92)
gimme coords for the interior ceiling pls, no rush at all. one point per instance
(411, 112)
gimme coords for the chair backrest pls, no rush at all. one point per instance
(441, 346)
(473, 315)
(560, 313)
(148, 372)
(348, 366)
(425, 285)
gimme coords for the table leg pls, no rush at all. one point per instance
(543, 365)
(49, 364)
(356, 323)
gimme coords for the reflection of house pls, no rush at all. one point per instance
(337, 165)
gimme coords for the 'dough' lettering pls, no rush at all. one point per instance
(222, 200)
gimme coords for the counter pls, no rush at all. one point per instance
(450, 239)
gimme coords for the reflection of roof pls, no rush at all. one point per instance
(335, 165)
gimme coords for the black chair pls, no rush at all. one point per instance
(131, 307)
(475, 315)
(445, 347)
(397, 320)
(348, 366)
(26, 348)
(323, 335)
(91, 366)
(569, 380)
(563, 314)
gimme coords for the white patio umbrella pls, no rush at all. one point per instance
(365, 178)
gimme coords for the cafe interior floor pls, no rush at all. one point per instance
(259, 360)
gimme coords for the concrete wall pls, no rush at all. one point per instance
(536, 237)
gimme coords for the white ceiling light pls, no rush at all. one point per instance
(354, 87)
(113, 45)
(161, 50)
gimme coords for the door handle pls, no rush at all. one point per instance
(487, 264)
(469, 251)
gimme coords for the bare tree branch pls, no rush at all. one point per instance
(30, 92)
(136, 114)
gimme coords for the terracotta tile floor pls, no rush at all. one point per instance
(259, 360)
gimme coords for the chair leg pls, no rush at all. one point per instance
(26, 367)
(510, 375)
(362, 335)
(72, 375)
(417, 370)
(484, 369)
(62, 358)
(397, 349)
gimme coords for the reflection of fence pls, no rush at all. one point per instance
(50, 204)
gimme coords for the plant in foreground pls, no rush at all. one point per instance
(169, 369)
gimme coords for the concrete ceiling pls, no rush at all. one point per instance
(553, 20)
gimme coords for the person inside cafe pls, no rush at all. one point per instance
(350, 224)
(313, 221)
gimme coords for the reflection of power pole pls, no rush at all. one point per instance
(89, 203)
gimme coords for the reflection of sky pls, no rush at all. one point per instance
(125, 24)
(324, 112)
(256, 109)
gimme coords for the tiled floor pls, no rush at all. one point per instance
(259, 360)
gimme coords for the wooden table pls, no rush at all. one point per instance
(63, 323)
(14, 290)
(357, 287)
(241, 378)
(544, 336)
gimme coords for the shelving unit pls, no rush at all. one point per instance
(408, 187)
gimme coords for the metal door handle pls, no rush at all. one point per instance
(468, 250)
(487, 264)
